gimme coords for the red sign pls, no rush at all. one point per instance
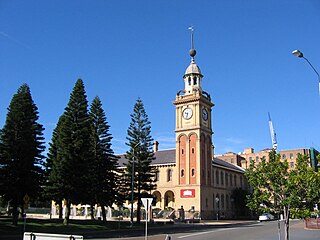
(187, 193)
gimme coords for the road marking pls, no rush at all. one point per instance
(201, 233)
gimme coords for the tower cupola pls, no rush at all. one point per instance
(192, 77)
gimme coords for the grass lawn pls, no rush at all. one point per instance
(76, 227)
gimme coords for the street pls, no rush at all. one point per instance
(255, 231)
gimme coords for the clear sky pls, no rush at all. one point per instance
(128, 49)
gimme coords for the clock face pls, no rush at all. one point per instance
(187, 113)
(204, 114)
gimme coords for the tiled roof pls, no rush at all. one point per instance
(228, 165)
(162, 157)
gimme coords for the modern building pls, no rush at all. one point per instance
(189, 176)
(243, 159)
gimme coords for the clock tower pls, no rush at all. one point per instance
(193, 139)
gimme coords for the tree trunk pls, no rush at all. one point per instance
(286, 213)
(67, 213)
(103, 212)
(91, 212)
(139, 203)
(15, 214)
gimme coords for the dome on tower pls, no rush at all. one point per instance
(193, 68)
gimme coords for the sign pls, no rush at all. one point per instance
(147, 202)
(48, 236)
(187, 193)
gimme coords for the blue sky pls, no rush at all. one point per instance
(128, 49)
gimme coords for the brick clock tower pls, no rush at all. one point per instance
(193, 140)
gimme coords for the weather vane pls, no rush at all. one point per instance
(192, 41)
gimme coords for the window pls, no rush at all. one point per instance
(182, 172)
(227, 179)
(250, 159)
(194, 81)
(291, 155)
(284, 156)
(192, 172)
(222, 180)
(189, 81)
(169, 175)
(157, 176)
(217, 177)
(232, 160)
(257, 159)
(192, 150)
(182, 151)
(212, 176)
(291, 164)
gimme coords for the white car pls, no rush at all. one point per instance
(266, 217)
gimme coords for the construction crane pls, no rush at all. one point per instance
(273, 134)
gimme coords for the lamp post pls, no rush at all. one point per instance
(132, 183)
(299, 54)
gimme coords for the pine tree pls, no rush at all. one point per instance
(54, 188)
(72, 164)
(105, 162)
(140, 156)
(21, 147)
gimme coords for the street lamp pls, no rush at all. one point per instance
(132, 183)
(299, 54)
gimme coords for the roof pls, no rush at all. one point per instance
(161, 157)
(225, 164)
(193, 68)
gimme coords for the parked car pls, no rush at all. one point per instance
(266, 217)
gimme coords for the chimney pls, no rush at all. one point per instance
(248, 150)
(155, 146)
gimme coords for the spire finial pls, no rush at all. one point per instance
(192, 51)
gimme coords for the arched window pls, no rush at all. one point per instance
(182, 172)
(194, 81)
(192, 172)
